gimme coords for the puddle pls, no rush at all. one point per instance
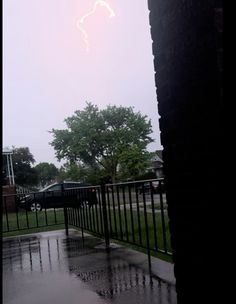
(55, 268)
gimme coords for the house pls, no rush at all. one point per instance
(157, 164)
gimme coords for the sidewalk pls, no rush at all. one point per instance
(52, 268)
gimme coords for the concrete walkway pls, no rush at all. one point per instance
(52, 268)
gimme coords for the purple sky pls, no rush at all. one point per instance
(48, 73)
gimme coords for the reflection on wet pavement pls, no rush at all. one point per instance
(51, 267)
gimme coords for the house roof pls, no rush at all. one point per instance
(157, 156)
(159, 153)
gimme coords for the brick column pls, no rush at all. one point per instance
(187, 52)
(10, 199)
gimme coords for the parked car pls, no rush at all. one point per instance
(145, 187)
(58, 195)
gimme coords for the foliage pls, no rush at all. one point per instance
(23, 155)
(72, 171)
(46, 173)
(133, 162)
(81, 173)
(22, 160)
(99, 138)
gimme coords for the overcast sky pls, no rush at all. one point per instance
(50, 71)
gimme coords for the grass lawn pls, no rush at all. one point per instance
(131, 227)
(30, 222)
(124, 226)
(127, 226)
(157, 206)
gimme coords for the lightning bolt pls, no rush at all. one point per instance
(80, 22)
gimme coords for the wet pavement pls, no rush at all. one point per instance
(52, 268)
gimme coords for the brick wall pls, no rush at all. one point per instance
(8, 202)
(187, 52)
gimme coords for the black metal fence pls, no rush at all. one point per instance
(133, 212)
(16, 216)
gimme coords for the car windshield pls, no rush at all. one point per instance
(46, 188)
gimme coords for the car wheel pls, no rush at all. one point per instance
(35, 207)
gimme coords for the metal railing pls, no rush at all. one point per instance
(132, 212)
(23, 190)
(17, 216)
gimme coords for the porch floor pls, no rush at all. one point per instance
(51, 267)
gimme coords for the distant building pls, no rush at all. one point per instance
(157, 164)
(7, 167)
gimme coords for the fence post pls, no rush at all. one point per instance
(65, 211)
(66, 220)
(147, 228)
(104, 209)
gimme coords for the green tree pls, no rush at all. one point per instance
(98, 138)
(133, 162)
(80, 172)
(47, 172)
(22, 160)
(73, 172)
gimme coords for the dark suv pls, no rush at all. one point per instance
(58, 195)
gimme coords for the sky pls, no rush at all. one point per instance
(50, 70)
